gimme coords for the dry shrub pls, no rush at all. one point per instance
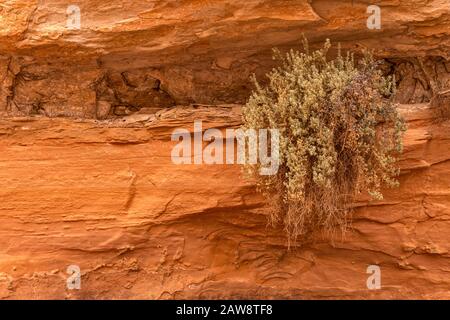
(339, 134)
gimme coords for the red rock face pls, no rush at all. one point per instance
(86, 176)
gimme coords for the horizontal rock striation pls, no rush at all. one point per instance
(86, 177)
(105, 195)
(132, 55)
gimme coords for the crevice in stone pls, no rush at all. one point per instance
(419, 79)
(90, 89)
(123, 93)
(59, 89)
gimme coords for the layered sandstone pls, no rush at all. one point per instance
(129, 55)
(107, 197)
(86, 176)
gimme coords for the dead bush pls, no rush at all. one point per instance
(340, 133)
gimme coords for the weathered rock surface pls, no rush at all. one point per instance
(129, 55)
(104, 194)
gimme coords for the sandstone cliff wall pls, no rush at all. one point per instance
(85, 171)
(106, 197)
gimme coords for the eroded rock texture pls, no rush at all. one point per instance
(85, 171)
(106, 197)
(129, 55)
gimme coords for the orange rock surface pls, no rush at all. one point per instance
(106, 197)
(86, 176)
